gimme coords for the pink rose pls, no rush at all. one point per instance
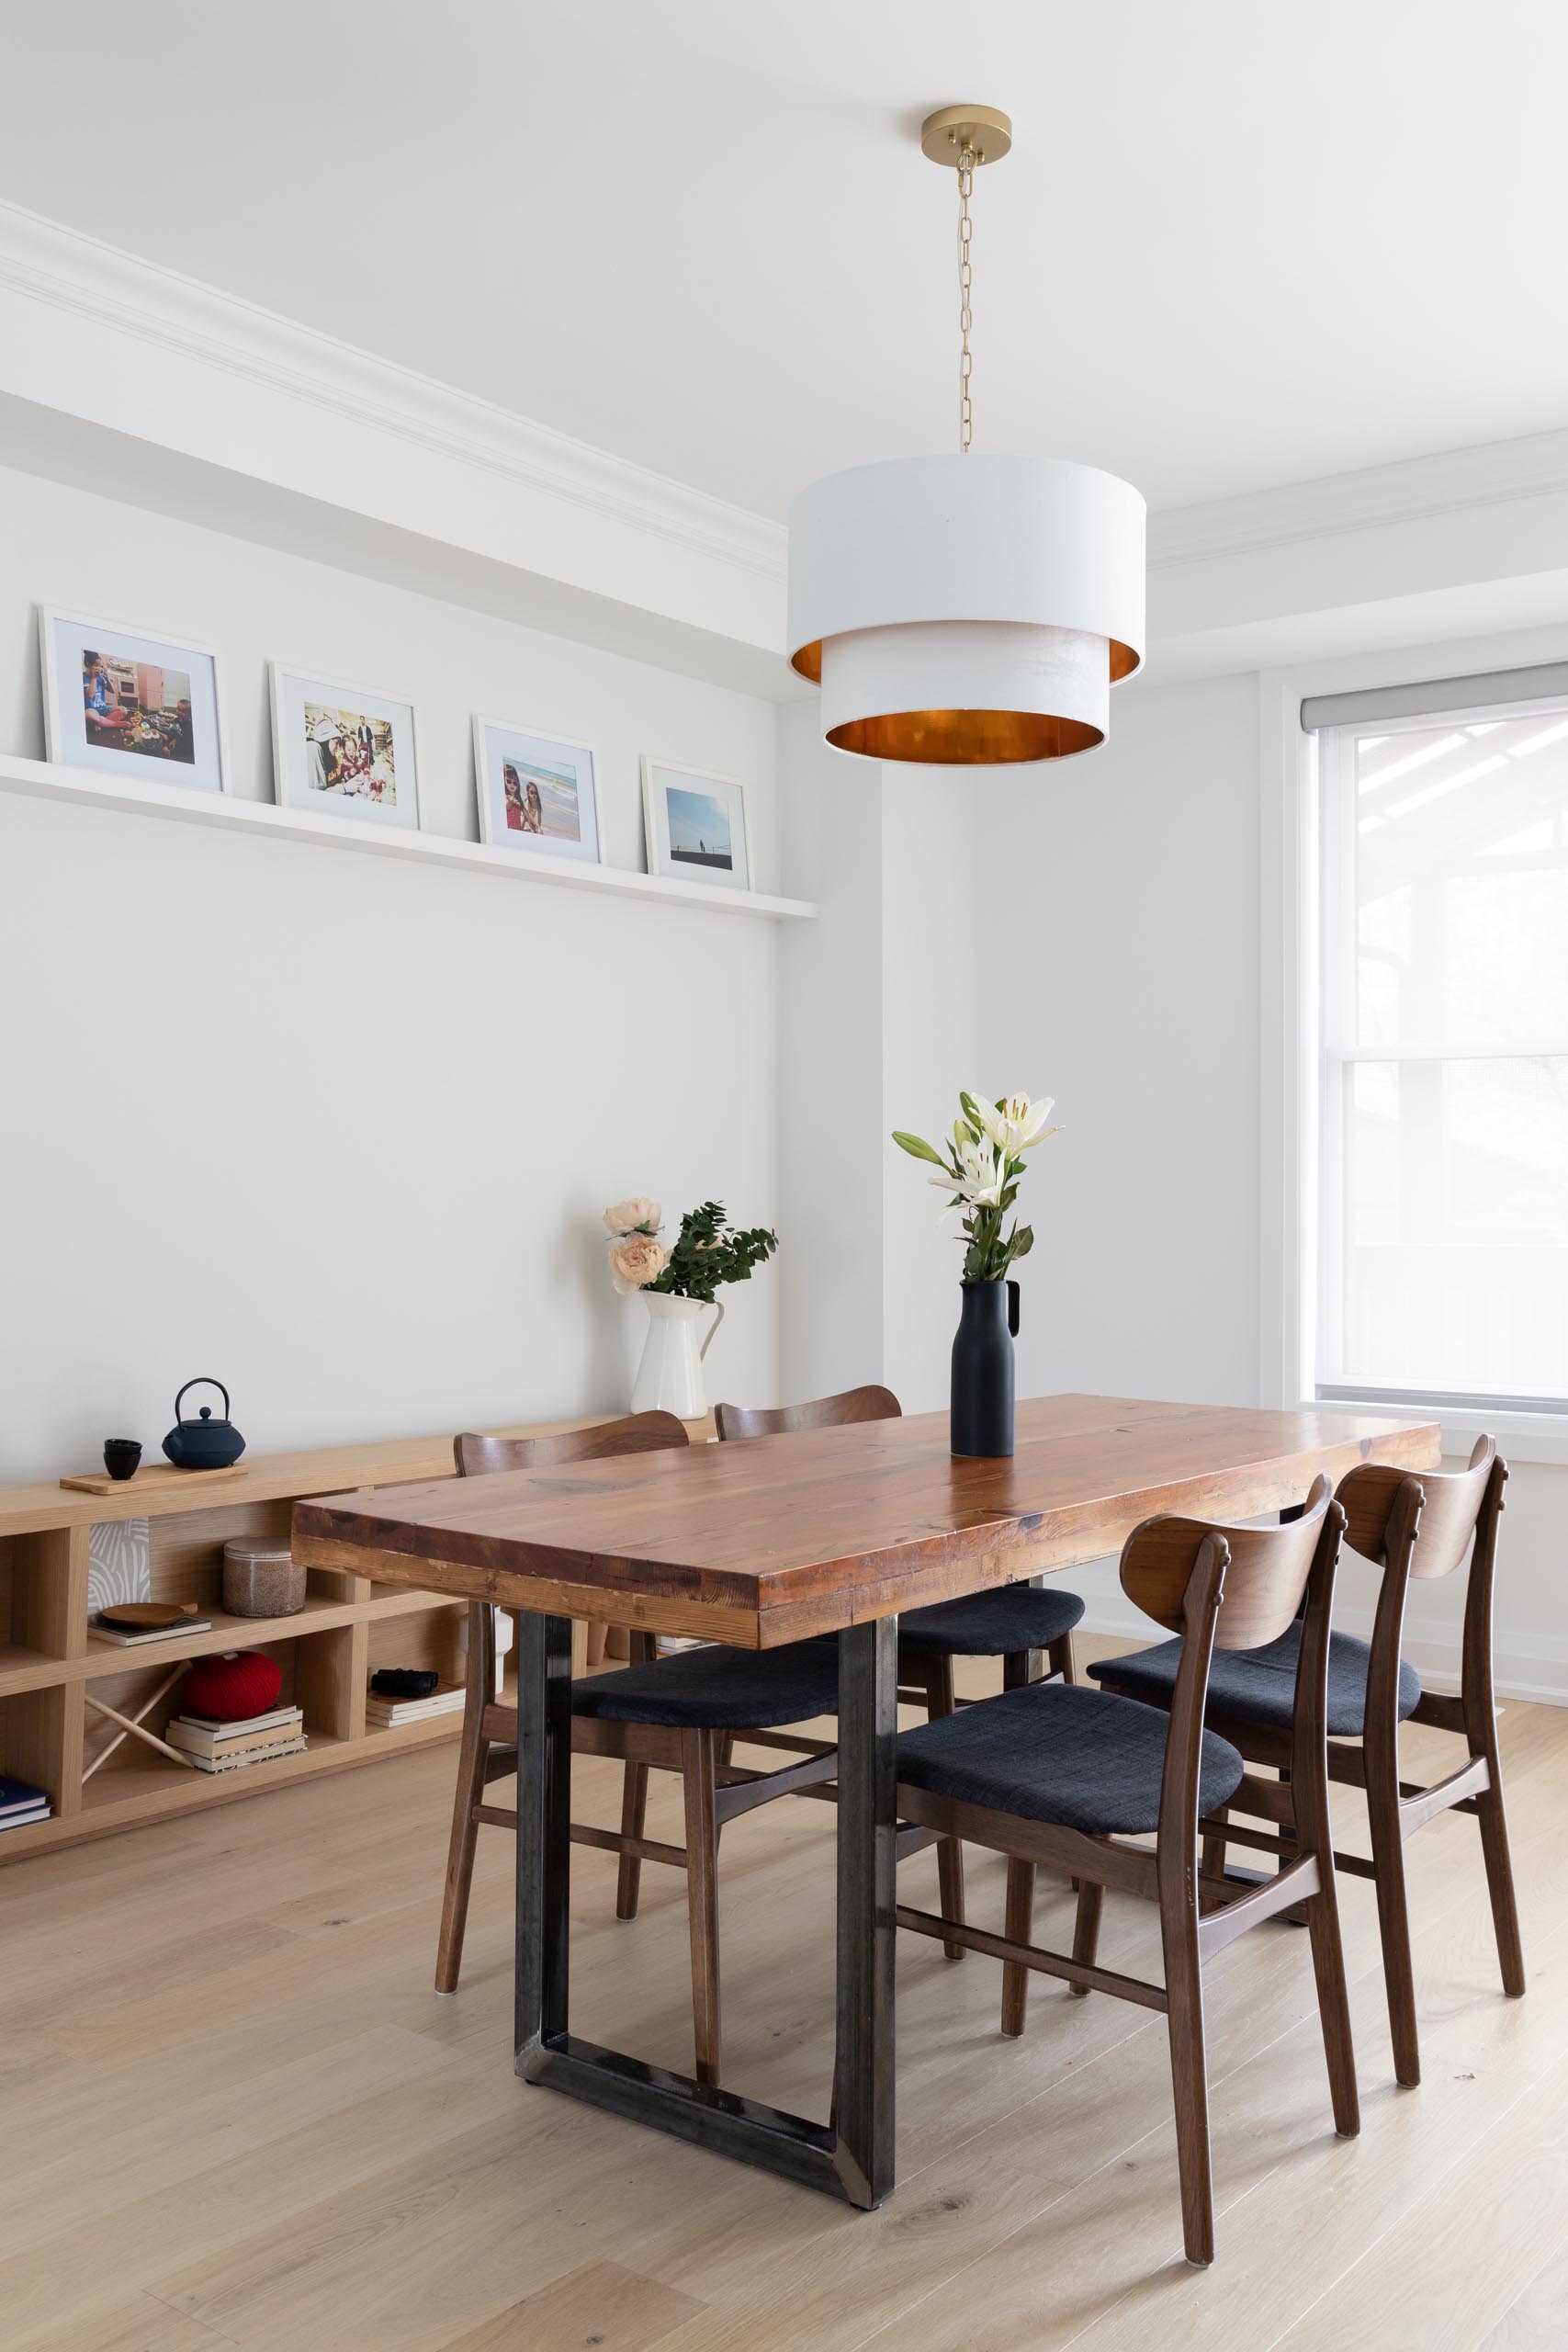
(634, 1216)
(637, 1261)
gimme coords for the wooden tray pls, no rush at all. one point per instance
(152, 1474)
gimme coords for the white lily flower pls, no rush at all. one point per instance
(1018, 1123)
(979, 1180)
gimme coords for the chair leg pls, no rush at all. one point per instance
(1334, 2005)
(1060, 1659)
(941, 1700)
(723, 1757)
(1086, 1934)
(1394, 1918)
(1020, 1930)
(1493, 1823)
(1190, 2083)
(1214, 1856)
(698, 1765)
(471, 1758)
(634, 1816)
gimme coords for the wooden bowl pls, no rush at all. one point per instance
(144, 1616)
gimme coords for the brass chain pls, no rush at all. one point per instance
(966, 312)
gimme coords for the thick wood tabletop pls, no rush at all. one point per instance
(772, 1539)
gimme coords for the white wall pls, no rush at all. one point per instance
(830, 1049)
(878, 1032)
(1116, 917)
(931, 996)
(337, 1129)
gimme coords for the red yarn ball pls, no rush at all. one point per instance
(229, 1688)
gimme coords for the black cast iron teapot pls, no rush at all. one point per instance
(203, 1445)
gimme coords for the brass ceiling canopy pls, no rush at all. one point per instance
(985, 132)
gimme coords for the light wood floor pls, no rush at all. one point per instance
(234, 2113)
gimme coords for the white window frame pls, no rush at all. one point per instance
(1288, 986)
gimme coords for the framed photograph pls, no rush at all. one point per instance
(536, 792)
(343, 751)
(697, 824)
(133, 704)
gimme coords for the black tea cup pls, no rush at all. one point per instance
(121, 1455)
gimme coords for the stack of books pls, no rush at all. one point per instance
(20, 1803)
(123, 1641)
(227, 1747)
(385, 1714)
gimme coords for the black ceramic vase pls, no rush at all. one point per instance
(982, 1369)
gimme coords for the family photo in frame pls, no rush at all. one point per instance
(131, 704)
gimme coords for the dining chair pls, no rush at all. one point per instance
(1028, 1626)
(675, 1714)
(1411, 1526)
(1062, 1774)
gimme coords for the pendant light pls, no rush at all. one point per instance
(966, 610)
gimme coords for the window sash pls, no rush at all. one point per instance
(1339, 1053)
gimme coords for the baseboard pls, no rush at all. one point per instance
(1525, 1667)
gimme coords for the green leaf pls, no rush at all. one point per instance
(917, 1149)
(1023, 1241)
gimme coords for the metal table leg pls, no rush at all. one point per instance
(855, 2162)
(868, 1731)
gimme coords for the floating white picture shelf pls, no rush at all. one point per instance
(87, 789)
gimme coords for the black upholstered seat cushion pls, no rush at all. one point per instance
(1055, 1751)
(991, 1624)
(1260, 1685)
(718, 1690)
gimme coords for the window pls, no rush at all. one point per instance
(1442, 1095)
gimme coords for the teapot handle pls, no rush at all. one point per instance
(712, 1329)
(202, 1380)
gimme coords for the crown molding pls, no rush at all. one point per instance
(112, 293)
(120, 291)
(1490, 473)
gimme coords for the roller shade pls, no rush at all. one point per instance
(1548, 680)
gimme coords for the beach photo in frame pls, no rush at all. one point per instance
(536, 791)
(343, 751)
(695, 824)
(131, 704)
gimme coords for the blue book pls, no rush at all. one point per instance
(20, 1796)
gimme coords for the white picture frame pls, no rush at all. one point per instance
(337, 748)
(114, 725)
(514, 764)
(702, 833)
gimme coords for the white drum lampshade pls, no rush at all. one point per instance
(966, 610)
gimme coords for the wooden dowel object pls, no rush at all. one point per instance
(133, 1723)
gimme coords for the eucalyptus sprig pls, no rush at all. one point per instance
(709, 1251)
(981, 1170)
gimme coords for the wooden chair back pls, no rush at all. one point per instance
(1425, 1524)
(1265, 1571)
(476, 1456)
(1438, 1520)
(634, 1434)
(872, 1404)
(1236, 1588)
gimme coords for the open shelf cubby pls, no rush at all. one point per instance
(348, 1628)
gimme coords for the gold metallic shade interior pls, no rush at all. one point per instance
(808, 662)
(965, 739)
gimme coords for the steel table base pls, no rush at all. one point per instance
(855, 2160)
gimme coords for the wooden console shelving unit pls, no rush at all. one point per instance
(347, 1628)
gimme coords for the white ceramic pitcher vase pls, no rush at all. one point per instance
(669, 1378)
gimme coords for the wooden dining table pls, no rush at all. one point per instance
(776, 1540)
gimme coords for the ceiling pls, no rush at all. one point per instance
(1236, 245)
